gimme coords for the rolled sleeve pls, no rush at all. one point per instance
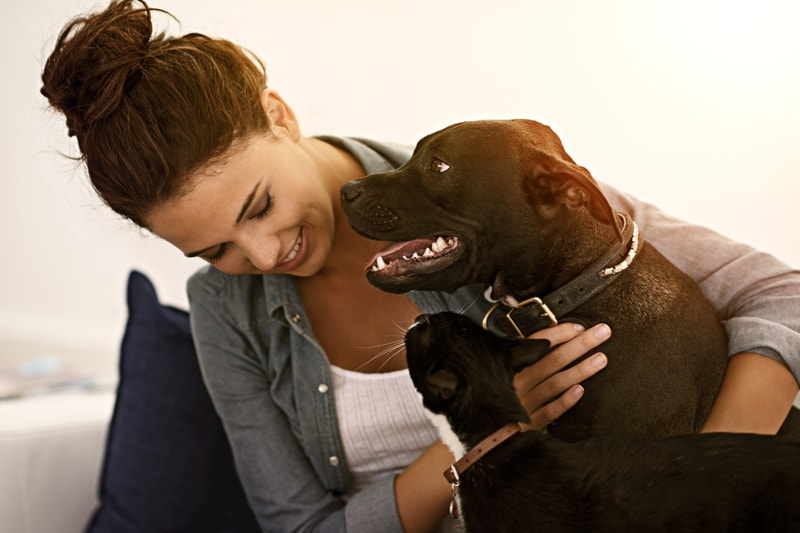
(360, 511)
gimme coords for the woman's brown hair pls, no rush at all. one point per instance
(149, 110)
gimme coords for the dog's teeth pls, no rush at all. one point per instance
(415, 256)
(380, 263)
(428, 253)
(439, 245)
(405, 258)
(451, 242)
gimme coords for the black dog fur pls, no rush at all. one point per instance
(518, 214)
(535, 482)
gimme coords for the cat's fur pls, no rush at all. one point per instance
(534, 482)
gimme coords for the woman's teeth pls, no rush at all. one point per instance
(293, 253)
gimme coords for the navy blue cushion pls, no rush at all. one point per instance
(167, 465)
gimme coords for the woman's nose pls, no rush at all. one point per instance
(262, 251)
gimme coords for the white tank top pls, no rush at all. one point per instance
(383, 424)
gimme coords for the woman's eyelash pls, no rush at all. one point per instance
(217, 256)
(258, 216)
(267, 208)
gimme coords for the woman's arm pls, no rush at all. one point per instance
(756, 396)
(423, 495)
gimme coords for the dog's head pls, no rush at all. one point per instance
(471, 197)
(466, 373)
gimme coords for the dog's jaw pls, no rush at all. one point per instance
(413, 264)
(418, 251)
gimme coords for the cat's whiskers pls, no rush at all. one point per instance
(390, 350)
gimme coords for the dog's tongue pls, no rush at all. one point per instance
(399, 249)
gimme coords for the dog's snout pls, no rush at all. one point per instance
(350, 191)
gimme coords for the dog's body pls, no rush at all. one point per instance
(515, 212)
(535, 482)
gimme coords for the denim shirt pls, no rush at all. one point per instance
(270, 380)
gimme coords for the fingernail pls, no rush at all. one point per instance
(602, 331)
(599, 360)
(578, 327)
(576, 392)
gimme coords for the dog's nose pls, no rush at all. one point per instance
(350, 191)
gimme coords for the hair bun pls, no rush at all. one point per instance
(96, 60)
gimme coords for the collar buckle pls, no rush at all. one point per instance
(546, 312)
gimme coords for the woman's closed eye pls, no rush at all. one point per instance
(266, 210)
(260, 215)
(217, 256)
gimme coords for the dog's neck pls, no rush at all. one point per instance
(521, 317)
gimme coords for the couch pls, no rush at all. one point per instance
(146, 456)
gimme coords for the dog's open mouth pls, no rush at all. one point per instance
(419, 256)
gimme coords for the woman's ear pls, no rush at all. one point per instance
(280, 115)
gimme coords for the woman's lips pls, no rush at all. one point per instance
(295, 255)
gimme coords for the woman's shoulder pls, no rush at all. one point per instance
(209, 282)
(236, 296)
(374, 156)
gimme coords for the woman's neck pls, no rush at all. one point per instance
(350, 252)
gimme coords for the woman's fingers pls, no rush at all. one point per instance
(545, 415)
(545, 389)
(570, 342)
(559, 393)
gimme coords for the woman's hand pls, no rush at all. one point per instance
(545, 389)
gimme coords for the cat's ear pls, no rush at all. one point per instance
(528, 351)
(443, 383)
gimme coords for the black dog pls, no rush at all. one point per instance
(501, 203)
(510, 481)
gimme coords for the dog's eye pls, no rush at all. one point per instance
(437, 165)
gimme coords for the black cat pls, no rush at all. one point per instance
(512, 481)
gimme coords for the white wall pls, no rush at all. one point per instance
(689, 104)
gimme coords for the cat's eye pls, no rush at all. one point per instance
(439, 166)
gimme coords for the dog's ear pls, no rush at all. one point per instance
(443, 383)
(570, 185)
(527, 351)
(553, 176)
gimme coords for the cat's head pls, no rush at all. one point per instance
(466, 373)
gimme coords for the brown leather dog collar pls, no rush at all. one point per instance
(533, 314)
(453, 474)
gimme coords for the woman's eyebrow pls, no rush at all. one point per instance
(245, 206)
(247, 202)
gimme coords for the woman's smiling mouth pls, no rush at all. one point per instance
(295, 254)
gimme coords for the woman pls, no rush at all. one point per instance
(302, 356)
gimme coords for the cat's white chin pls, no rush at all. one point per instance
(447, 435)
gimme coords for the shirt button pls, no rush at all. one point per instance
(333, 460)
(295, 318)
(323, 388)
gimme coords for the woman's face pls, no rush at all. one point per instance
(264, 209)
